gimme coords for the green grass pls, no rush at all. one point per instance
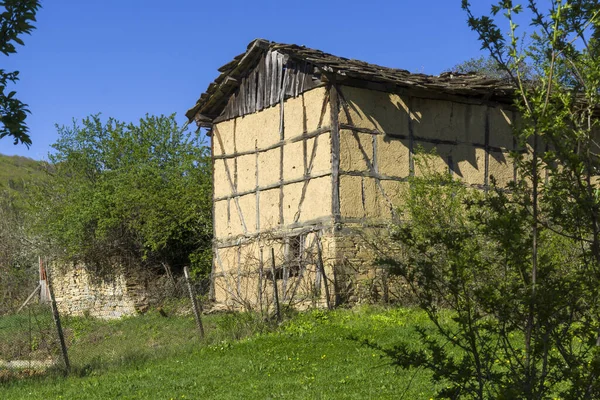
(28, 335)
(311, 356)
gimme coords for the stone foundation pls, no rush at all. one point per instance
(360, 276)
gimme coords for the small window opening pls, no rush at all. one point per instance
(295, 250)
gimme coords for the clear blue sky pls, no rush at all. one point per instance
(126, 58)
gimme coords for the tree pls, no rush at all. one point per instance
(518, 273)
(482, 65)
(122, 192)
(15, 21)
(17, 254)
(488, 67)
(560, 113)
(466, 255)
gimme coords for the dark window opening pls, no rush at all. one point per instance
(295, 250)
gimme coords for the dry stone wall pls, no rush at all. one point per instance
(80, 292)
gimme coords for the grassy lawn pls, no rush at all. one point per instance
(311, 356)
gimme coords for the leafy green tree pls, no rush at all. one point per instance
(520, 271)
(490, 68)
(481, 65)
(466, 255)
(16, 19)
(123, 192)
(18, 250)
(18, 270)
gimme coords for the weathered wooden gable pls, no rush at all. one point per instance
(276, 77)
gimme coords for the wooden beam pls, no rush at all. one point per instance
(257, 189)
(260, 279)
(420, 139)
(322, 223)
(411, 139)
(271, 186)
(232, 186)
(282, 78)
(335, 150)
(275, 294)
(310, 135)
(324, 276)
(368, 161)
(214, 225)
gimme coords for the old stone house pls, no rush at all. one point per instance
(310, 154)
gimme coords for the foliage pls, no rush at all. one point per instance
(15, 21)
(129, 192)
(468, 252)
(521, 269)
(490, 68)
(482, 65)
(18, 256)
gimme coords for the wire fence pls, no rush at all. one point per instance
(55, 326)
(37, 337)
(29, 342)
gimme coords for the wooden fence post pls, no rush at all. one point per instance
(322, 268)
(195, 306)
(56, 317)
(260, 281)
(275, 294)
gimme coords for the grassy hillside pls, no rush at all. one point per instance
(315, 355)
(16, 171)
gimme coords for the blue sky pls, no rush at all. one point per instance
(126, 58)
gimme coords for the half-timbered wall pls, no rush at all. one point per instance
(272, 189)
(267, 180)
(303, 170)
(380, 132)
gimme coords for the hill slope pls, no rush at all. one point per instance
(16, 171)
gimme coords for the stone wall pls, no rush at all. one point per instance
(359, 277)
(79, 292)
